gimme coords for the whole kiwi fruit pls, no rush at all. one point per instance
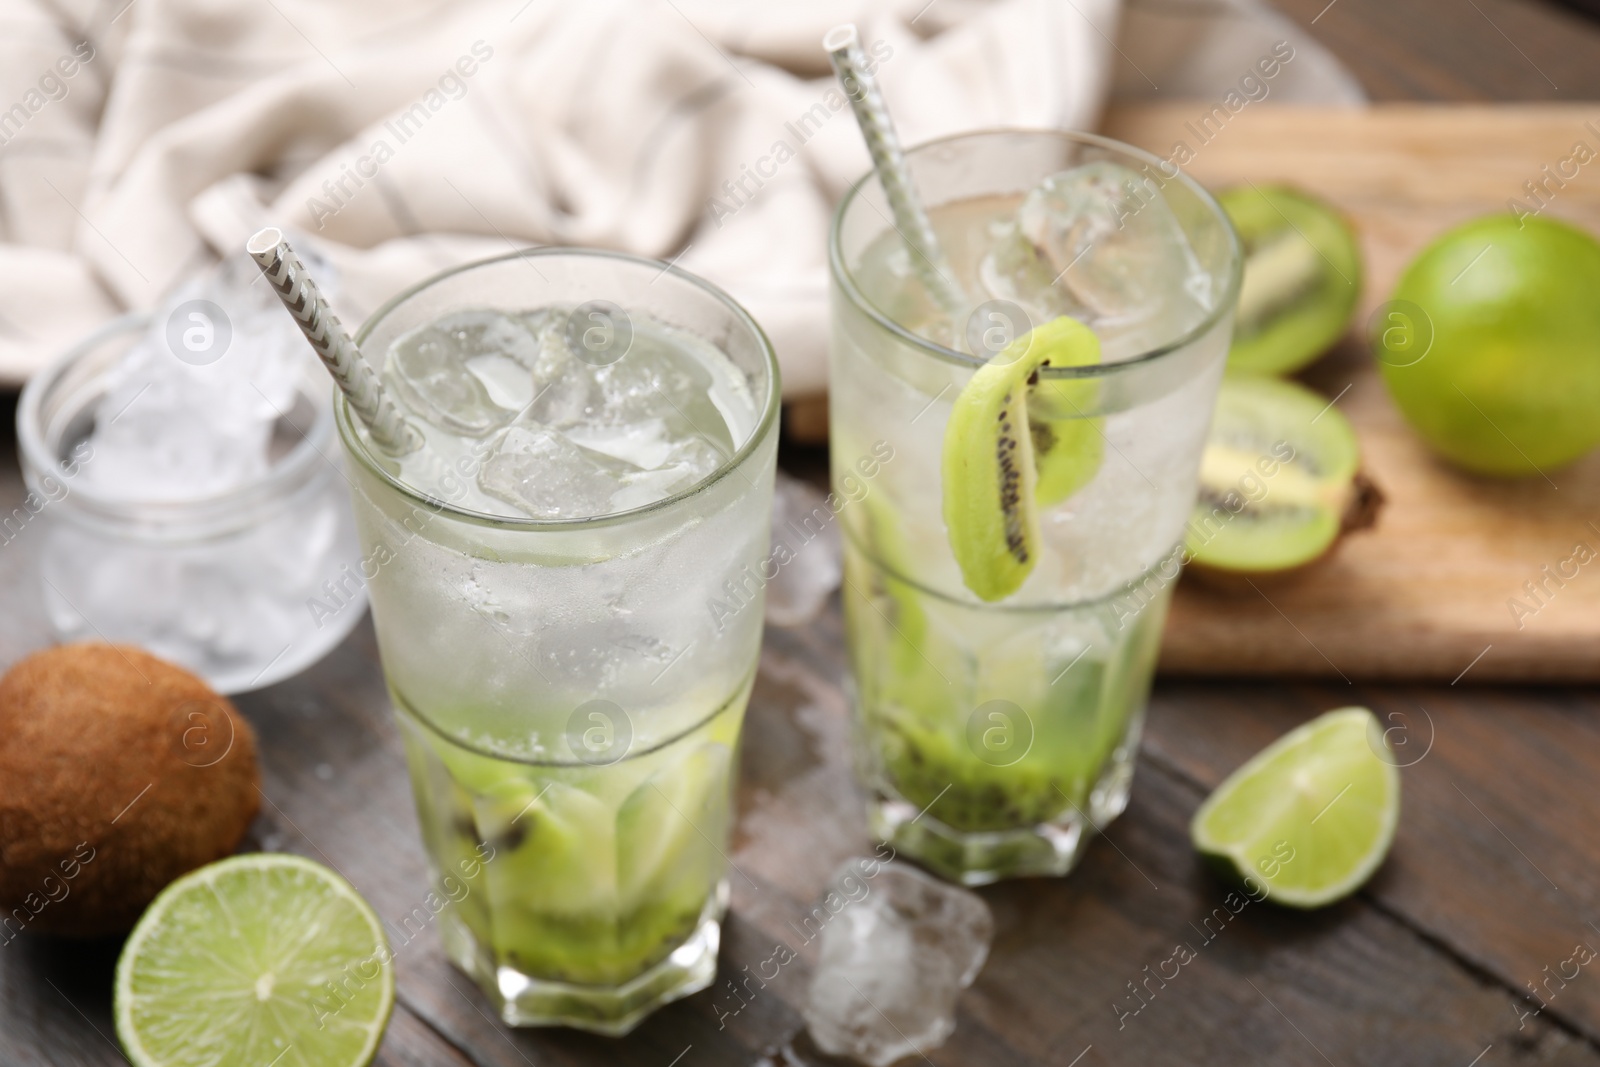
(118, 773)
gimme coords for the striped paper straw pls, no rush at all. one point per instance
(350, 369)
(843, 45)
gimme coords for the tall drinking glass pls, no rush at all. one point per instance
(995, 738)
(570, 702)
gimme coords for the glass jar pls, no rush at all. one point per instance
(243, 587)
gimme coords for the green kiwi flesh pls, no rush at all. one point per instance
(1015, 441)
(1066, 451)
(1280, 480)
(1302, 277)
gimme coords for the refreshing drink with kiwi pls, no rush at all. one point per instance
(1007, 573)
(582, 874)
(549, 578)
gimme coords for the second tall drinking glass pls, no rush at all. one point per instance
(996, 737)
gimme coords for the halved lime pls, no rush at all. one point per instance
(259, 959)
(1310, 817)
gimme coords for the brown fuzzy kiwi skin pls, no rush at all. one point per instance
(1360, 513)
(84, 729)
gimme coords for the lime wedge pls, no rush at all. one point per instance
(259, 959)
(1310, 817)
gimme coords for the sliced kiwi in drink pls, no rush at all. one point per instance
(668, 826)
(1302, 276)
(895, 644)
(552, 880)
(885, 542)
(555, 840)
(1014, 441)
(1280, 481)
(1067, 449)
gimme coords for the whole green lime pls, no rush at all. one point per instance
(1491, 344)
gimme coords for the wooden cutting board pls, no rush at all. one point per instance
(1429, 594)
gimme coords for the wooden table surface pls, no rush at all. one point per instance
(1492, 884)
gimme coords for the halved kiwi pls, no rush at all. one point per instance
(1012, 444)
(1280, 481)
(1302, 276)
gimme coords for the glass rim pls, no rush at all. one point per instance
(356, 447)
(285, 473)
(1224, 306)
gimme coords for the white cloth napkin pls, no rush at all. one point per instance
(408, 135)
(140, 138)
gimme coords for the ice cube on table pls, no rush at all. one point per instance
(431, 369)
(805, 545)
(191, 408)
(893, 961)
(1101, 243)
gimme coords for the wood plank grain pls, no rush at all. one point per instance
(1384, 978)
(1495, 858)
(1428, 591)
(1445, 50)
(1361, 986)
(1358, 979)
(55, 1011)
(55, 1002)
(409, 1042)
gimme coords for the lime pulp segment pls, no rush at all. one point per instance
(265, 958)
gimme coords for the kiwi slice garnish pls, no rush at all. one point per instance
(1014, 442)
(1066, 450)
(1280, 481)
(1302, 276)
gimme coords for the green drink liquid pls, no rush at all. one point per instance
(577, 874)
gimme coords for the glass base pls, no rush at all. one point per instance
(525, 1000)
(973, 858)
